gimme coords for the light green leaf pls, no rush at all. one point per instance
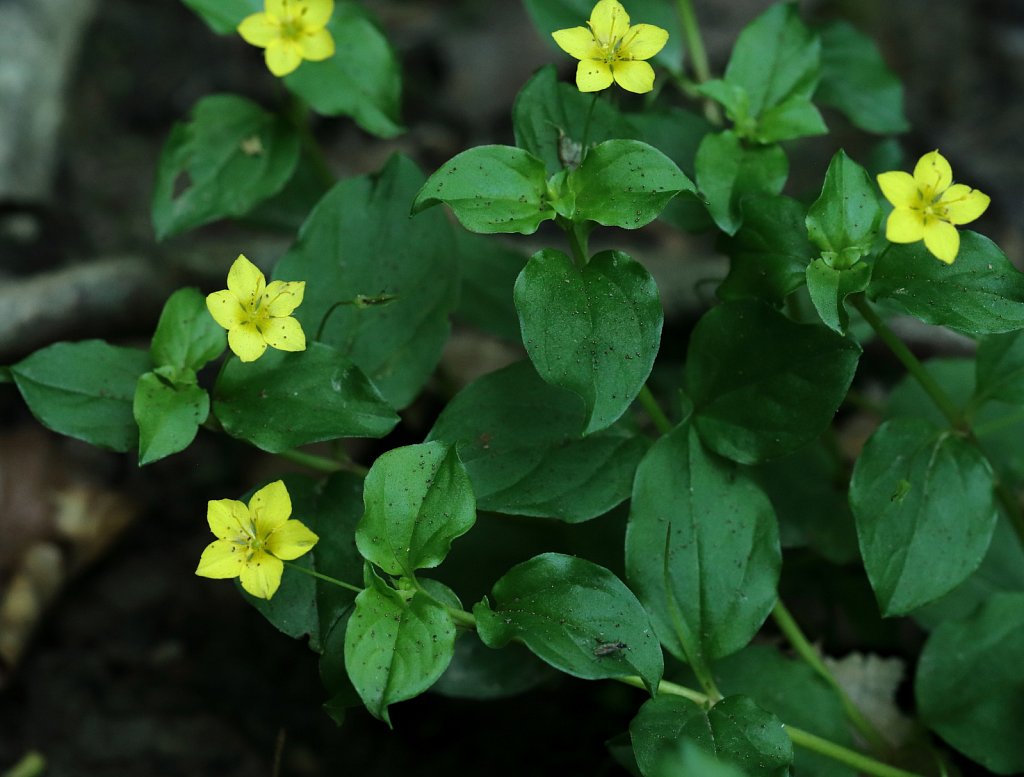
(843, 221)
(793, 118)
(168, 416)
(689, 759)
(186, 336)
(829, 287)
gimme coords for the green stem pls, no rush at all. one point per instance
(577, 234)
(654, 410)
(911, 362)
(791, 629)
(326, 578)
(299, 113)
(462, 618)
(31, 765)
(321, 463)
(586, 124)
(698, 55)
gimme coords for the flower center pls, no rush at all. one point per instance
(292, 29)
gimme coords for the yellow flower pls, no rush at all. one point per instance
(611, 50)
(257, 315)
(252, 541)
(928, 204)
(290, 31)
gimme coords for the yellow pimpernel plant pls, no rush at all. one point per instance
(253, 542)
(257, 314)
(611, 50)
(929, 206)
(290, 31)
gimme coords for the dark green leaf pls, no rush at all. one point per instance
(624, 183)
(168, 416)
(727, 172)
(735, 730)
(1000, 370)
(489, 269)
(923, 500)
(830, 287)
(702, 548)
(762, 385)
(687, 758)
(576, 616)
(230, 157)
(519, 438)
(186, 337)
(980, 293)
(491, 189)
(856, 80)
(397, 644)
(283, 400)
(477, 672)
(675, 132)
(360, 241)
(224, 16)
(968, 683)
(418, 499)
(770, 252)
(84, 390)
(593, 330)
(361, 80)
(843, 221)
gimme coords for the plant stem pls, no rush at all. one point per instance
(654, 410)
(698, 55)
(577, 234)
(791, 629)
(321, 463)
(299, 113)
(326, 578)
(911, 362)
(462, 618)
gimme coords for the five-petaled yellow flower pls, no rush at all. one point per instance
(252, 541)
(611, 50)
(257, 314)
(290, 31)
(927, 206)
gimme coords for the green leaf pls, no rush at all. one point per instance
(770, 252)
(735, 730)
(230, 157)
(477, 672)
(84, 390)
(551, 15)
(762, 385)
(556, 122)
(727, 172)
(283, 400)
(224, 16)
(624, 183)
(856, 80)
(689, 759)
(675, 132)
(980, 293)
(397, 644)
(794, 692)
(491, 189)
(829, 287)
(968, 684)
(923, 501)
(361, 80)
(360, 240)
(519, 438)
(594, 330)
(576, 616)
(168, 416)
(793, 118)
(489, 269)
(1000, 368)
(186, 336)
(418, 499)
(702, 548)
(843, 221)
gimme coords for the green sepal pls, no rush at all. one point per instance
(186, 336)
(829, 287)
(168, 415)
(843, 221)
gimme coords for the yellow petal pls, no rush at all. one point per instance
(577, 42)
(245, 279)
(942, 240)
(261, 575)
(963, 204)
(277, 8)
(226, 309)
(899, 188)
(282, 297)
(635, 77)
(228, 519)
(317, 46)
(246, 342)
(592, 75)
(609, 21)
(259, 29)
(221, 560)
(283, 56)
(643, 41)
(285, 334)
(315, 13)
(291, 540)
(904, 226)
(270, 508)
(933, 174)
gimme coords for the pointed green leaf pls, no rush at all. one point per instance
(843, 221)
(1000, 368)
(418, 499)
(186, 336)
(168, 415)
(795, 117)
(223, 16)
(830, 287)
